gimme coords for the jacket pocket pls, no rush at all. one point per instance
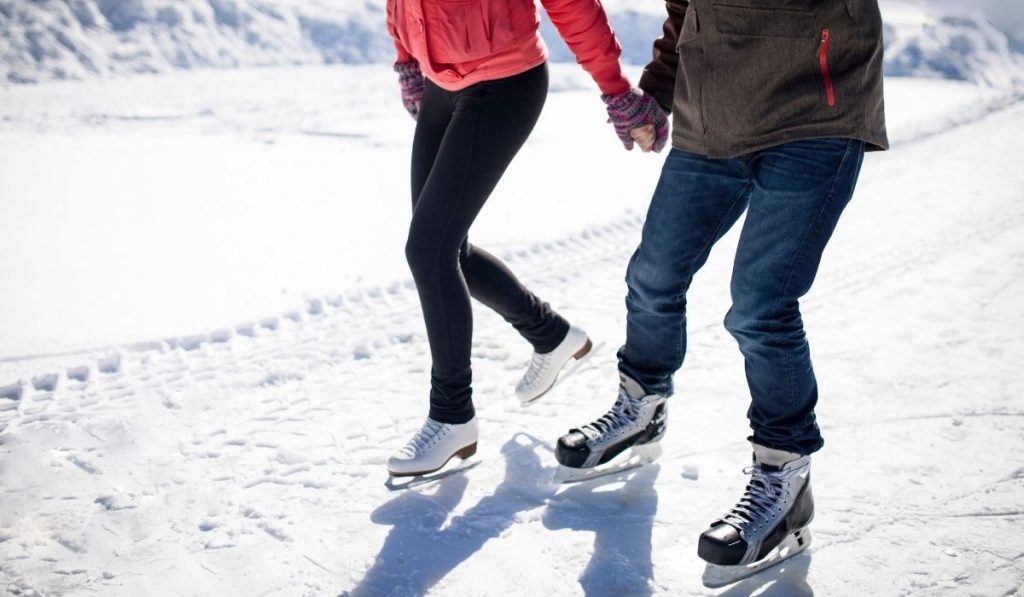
(776, 18)
(461, 31)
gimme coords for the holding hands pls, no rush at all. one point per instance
(638, 118)
(410, 79)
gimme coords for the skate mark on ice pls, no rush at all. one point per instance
(188, 343)
(952, 416)
(369, 323)
(964, 118)
(46, 382)
(110, 364)
(69, 544)
(910, 256)
(115, 503)
(83, 464)
(11, 393)
(274, 531)
(79, 373)
(304, 483)
(378, 315)
(221, 336)
(208, 525)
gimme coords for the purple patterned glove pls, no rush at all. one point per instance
(410, 79)
(633, 109)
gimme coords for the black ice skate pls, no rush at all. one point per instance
(767, 526)
(634, 426)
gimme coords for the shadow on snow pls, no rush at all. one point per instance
(420, 550)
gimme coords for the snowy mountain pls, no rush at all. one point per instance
(961, 47)
(75, 39)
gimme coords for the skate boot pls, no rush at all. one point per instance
(432, 446)
(545, 368)
(635, 423)
(767, 526)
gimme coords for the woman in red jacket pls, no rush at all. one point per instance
(473, 73)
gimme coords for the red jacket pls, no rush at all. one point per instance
(461, 42)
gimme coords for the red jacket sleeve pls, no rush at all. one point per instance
(402, 52)
(584, 26)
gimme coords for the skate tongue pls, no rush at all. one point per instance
(632, 388)
(773, 459)
(613, 419)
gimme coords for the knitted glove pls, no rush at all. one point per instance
(633, 109)
(410, 79)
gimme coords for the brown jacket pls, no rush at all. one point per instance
(743, 75)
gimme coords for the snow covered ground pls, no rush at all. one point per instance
(209, 346)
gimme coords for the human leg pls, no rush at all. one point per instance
(695, 202)
(800, 191)
(486, 125)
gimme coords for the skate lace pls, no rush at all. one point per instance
(621, 414)
(538, 367)
(760, 497)
(424, 437)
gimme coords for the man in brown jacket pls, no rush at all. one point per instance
(773, 103)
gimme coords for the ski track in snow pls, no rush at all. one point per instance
(390, 302)
(248, 460)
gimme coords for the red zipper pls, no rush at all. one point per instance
(830, 93)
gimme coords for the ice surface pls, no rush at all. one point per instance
(141, 454)
(209, 346)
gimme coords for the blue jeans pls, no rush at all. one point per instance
(794, 194)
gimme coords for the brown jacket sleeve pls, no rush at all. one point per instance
(659, 76)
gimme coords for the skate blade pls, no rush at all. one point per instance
(635, 458)
(719, 576)
(399, 483)
(566, 372)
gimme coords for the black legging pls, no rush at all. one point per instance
(464, 142)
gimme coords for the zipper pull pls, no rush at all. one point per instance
(826, 76)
